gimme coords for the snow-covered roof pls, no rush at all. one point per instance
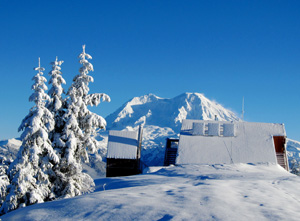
(122, 144)
(234, 142)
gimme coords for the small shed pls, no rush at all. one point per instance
(123, 153)
(221, 142)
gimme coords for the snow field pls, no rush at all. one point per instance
(194, 192)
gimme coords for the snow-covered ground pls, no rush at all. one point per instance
(194, 192)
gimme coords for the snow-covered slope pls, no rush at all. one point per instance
(215, 192)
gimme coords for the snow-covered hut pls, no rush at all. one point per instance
(123, 153)
(222, 142)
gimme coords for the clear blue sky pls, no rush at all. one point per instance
(224, 49)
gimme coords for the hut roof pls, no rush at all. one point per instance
(122, 144)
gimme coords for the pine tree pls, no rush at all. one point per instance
(4, 180)
(80, 129)
(31, 172)
(56, 104)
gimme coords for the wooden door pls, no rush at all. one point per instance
(279, 144)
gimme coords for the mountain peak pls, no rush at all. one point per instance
(152, 110)
(144, 99)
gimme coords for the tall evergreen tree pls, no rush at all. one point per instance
(80, 129)
(31, 172)
(56, 103)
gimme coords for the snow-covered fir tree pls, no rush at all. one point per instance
(56, 103)
(4, 180)
(31, 172)
(79, 133)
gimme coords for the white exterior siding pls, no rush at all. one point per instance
(251, 143)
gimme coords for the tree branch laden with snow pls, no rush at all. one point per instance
(80, 130)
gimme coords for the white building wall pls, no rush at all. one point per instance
(252, 143)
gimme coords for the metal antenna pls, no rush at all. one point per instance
(243, 109)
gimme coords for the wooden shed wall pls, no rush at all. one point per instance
(122, 167)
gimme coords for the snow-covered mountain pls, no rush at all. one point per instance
(152, 110)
